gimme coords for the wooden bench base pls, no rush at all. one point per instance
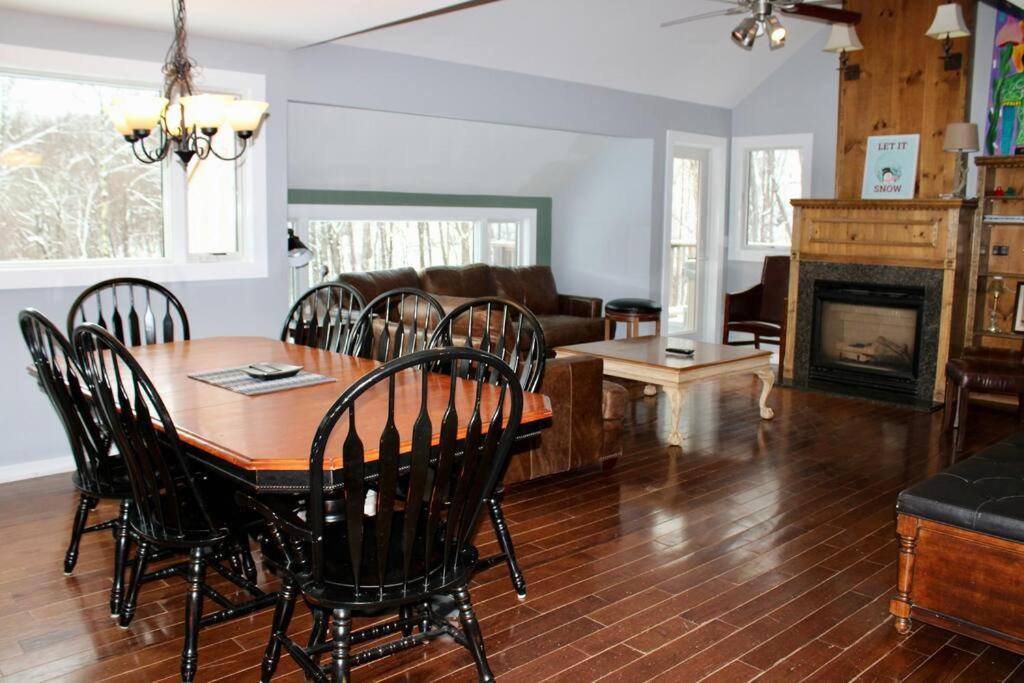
(961, 581)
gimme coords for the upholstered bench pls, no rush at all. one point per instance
(961, 551)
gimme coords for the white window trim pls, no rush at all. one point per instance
(739, 250)
(251, 259)
(302, 214)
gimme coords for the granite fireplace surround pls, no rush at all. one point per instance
(930, 280)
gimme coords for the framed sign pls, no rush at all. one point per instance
(1018, 310)
(890, 168)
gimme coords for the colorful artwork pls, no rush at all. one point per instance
(1005, 131)
(890, 169)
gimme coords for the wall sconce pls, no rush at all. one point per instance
(961, 139)
(949, 24)
(843, 40)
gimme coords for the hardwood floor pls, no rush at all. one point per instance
(760, 550)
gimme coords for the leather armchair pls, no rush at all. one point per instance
(761, 310)
(984, 370)
(579, 306)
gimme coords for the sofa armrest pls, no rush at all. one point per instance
(745, 305)
(579, 306)
(1012, 356)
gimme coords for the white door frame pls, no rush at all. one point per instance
(711, 249)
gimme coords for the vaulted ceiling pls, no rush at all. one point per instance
(611, 43)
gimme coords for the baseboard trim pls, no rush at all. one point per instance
(36, 468)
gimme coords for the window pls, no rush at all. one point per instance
(74, 199)
(768, 173)
(360, 238)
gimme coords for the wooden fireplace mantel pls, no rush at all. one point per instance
(918, 233)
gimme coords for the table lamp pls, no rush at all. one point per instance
(961, 138)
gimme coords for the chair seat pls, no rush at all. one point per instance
(115, 485)
(761, 327)
(632, 306)
(984, 493)
(986, 375)
(338, 589)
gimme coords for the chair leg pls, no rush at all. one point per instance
(474, 638)
(193, 614)
(406, 612)
(248, 564)
(949, 406)
(505, 542)
(282, 617)
(341, 634)
(131, 596)
(318, 633)
(120, 559)
(78, 526)
(962, 401)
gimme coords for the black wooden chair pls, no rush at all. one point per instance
(99, 473)
(170, 511)
(395, 324)
(405, 550)
(323, 317)
(511, 332)
(134, 310)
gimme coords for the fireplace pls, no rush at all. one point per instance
(865, 338)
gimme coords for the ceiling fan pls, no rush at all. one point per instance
(763, 19)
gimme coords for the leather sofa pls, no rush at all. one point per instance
(565, 319)
(586, 425)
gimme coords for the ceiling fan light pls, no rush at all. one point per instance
(745, 33)
(843, 39)
(949, 23)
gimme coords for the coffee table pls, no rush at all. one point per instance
(645, 359)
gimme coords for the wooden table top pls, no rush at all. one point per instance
(272, 433)
(650, 352)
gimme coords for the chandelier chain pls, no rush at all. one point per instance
(178, 66)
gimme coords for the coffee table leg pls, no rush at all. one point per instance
(675, 398)
(767, 382)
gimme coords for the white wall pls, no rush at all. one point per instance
(601, 230)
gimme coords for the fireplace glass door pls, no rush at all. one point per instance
(866, 337)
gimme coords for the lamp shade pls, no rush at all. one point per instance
(298, 253)
(206, 111)
(142, 112)
(843, 39)
(961, 137)
(949, 23)
(245, 115)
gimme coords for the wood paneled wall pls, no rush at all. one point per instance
(903, 88)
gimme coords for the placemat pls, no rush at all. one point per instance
(235, 379)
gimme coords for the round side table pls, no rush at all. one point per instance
(632, 312)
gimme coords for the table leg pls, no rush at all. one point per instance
(676, 395)
(650, 390)
(767, 382)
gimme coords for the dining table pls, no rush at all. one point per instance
(262, 442)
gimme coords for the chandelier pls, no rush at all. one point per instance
(182, 121)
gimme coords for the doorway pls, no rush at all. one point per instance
(694, 227)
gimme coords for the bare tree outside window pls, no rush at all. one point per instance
(686, 216)
(70, 188)
(503, 243)
(355, 246)
(774, 178)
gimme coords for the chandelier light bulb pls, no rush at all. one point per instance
(172, 120)
(117, 118)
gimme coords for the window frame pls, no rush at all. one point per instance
(251, 259)
(739, 249)
(299, 215)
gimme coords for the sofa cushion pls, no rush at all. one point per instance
(470, 281)
(373, 283)
(531, 286)
(563, 330)
(984, 493)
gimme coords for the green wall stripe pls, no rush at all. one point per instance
(542, 205)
